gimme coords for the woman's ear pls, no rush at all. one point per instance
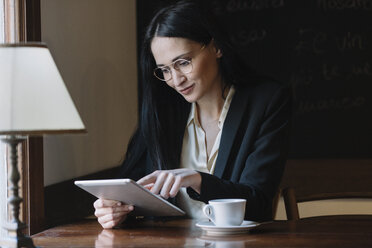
(218, 53)
(217, 50)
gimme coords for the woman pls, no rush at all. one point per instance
(209, 128)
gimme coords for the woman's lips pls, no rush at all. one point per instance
(187, 90)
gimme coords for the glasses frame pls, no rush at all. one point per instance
(171, 65)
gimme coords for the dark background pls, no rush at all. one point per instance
(323, 49)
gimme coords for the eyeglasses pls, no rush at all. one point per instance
(184, 66)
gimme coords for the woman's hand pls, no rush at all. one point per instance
(111, 213)
(167, 183)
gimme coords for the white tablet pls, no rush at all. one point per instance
(129, 192)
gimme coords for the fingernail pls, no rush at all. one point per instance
(118, 204)
(130, 208)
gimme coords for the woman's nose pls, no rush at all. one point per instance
(178, 77)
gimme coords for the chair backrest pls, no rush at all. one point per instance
(321, 179)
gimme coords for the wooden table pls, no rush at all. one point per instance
(347, 231)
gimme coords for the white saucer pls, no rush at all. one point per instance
(211, 229)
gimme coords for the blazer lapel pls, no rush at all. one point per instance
(230, 129)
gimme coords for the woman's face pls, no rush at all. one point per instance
(204, 81)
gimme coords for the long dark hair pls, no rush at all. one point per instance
(162, 108)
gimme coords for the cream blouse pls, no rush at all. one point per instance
(194, 154)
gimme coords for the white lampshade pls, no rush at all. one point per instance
(33, 97)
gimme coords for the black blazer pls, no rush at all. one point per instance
(252, 152)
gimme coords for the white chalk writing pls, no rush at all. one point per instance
(318, 42)
(338, 72)
(345, 4)
(241, 5)
(245, 37)
(342, 103)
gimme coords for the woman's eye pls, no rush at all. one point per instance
(183, 63)
(165, 70)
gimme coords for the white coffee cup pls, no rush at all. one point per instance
(225, 212)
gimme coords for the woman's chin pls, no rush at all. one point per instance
(190, 98)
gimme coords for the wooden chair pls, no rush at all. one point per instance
(319, 179)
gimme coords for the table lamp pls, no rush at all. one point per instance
(33, 101)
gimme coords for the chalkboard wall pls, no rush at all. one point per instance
(323, 48)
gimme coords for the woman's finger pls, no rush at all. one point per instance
(100, 203)
(168, 183)
(151, 178)
(159, 182)
(148, 186)
(115, 218)
(176, 186)
(111, 210)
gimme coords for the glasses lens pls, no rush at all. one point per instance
(162, 74)
(183, 65)
(165, 74)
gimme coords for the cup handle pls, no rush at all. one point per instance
(208, 211)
